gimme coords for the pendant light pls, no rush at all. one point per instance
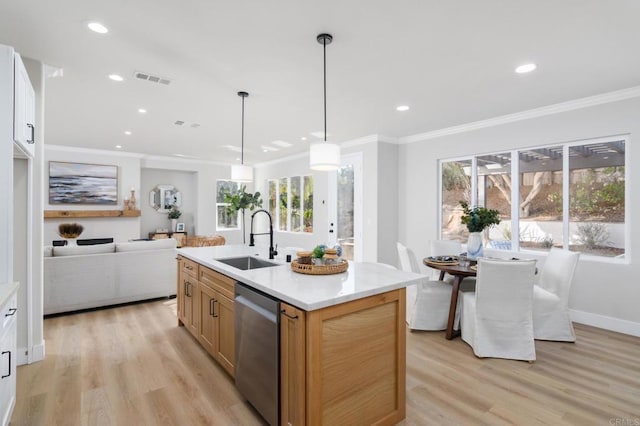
(325, 155)
(240, 172)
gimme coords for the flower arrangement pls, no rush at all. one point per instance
(70, 230)
(174, 213)
(478, 219)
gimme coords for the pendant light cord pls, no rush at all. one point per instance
(242, 146)
(324, 48)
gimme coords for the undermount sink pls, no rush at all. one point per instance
(247, 262)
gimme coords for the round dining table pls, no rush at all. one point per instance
(459, 273)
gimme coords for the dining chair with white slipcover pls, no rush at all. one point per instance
(497, 320)
(551, 318)
(427, 303)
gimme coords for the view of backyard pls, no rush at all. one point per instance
(596, 197)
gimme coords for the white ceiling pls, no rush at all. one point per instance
(452, 62)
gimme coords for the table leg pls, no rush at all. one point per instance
(451, 333)
(441, 276)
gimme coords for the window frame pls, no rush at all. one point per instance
(515, 193)
(238, 219)
(277, 217)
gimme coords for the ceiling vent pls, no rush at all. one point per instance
(152, 78)
(179, 123)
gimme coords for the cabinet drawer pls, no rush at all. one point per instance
(217, 281)
(189, 267)
(8, 312)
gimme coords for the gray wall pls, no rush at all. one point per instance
(185, 182)
(602, 290)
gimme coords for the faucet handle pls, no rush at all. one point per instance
(275, 251)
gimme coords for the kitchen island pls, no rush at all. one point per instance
(342, 336)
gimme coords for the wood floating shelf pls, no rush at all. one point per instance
(55, 214)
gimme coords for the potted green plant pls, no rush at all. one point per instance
(174, 214)
(477, 219)
(242, 200)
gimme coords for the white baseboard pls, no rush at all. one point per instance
(37, 354)
(608, 323)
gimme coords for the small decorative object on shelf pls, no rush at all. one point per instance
(132, 200)
(125, 204)
(174, 214)
(70, 231)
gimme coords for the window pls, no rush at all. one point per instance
(225, 221)
(291, 203)
(570, 196)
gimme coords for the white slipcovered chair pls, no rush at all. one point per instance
(551, 318)
(497, 320)
(427, 303)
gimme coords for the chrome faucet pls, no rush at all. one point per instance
(272, 251)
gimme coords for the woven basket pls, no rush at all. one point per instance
(319, 269)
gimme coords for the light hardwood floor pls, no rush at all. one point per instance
(132, 365)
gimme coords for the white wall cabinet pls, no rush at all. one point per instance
(24, 108)
(8, 358)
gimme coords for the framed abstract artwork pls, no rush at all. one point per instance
(80, 183)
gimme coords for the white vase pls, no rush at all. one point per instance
(474, 245)
(72, 242)
(174, 223)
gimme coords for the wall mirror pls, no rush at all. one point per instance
(162, 197)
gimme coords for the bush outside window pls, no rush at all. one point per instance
(224, 220)
(291, 203)
(570, 196)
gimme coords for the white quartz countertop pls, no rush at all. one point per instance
(307, 292)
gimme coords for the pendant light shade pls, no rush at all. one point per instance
(240, 172)
(324, 156)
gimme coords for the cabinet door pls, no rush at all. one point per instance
(24, 108)
(191, 306)
(181, 297)
(8, 359)
(226, 341)
(207, 333)
(292, 365)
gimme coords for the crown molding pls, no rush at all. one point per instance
(144, 157)
(589, 101)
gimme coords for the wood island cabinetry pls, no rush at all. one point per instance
(344, 364)
(217, 327)
(206, 309)
(340, 364)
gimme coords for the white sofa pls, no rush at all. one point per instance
(82, 277)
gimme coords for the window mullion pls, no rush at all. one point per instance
(565, 196)
(515, 200)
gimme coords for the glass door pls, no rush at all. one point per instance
(345, 207)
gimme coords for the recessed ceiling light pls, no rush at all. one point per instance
(127, 132)
(116, 77)
(119, 146)
(142, 110)
(319, 134)
(282, 144)
(523, 69)
(402, 108)
(303, 138)
(179, 155)
(97, 27)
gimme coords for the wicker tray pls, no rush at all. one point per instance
(319, 269)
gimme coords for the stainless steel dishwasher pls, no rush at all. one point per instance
(257, 322)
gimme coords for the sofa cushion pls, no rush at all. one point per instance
(79, 250)
(167, 243)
